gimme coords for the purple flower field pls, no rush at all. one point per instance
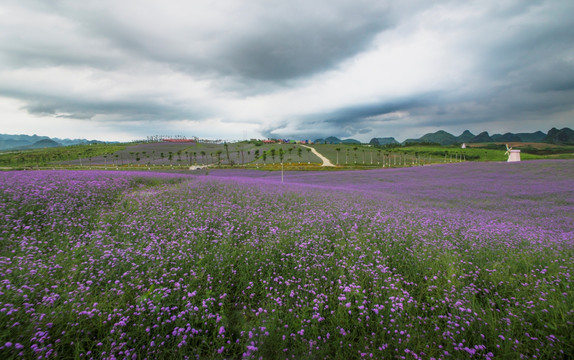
(469, 260)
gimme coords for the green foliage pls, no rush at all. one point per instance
(544, 151)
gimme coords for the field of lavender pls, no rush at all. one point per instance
(468, 260)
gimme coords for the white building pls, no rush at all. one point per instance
(513, 155)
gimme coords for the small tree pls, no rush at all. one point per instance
(218, 153)
(203, 154)
(226, 152)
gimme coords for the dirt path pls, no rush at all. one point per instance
(326, 161)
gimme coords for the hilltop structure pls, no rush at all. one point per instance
(170, 138)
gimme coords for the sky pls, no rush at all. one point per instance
(221, 69)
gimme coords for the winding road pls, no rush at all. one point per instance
(326, 161)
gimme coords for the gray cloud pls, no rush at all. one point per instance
(123, 110)
(503, 108)
(525, 67)
(300, 50)
(350, 121)
(503, 63)
(269, 42)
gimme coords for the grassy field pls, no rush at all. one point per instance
(44, 157)
(161, 155)
(540, 150)
(449, 261)
(266, 156)
(366, 156)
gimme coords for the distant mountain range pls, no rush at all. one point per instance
(27, 142)
(554, 136)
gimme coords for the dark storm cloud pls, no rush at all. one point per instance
(304, 49)
(283, 50)
(268, 41)
(368, 113)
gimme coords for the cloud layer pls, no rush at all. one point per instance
(124, 70)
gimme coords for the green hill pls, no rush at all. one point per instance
(332, 140)
(440, 137)
(42, 144)
(466, 136)
(9, 142)
(508, 137)
(537, 136)
(483, 137)
(12, 144)
(383, 141)
(45, 143)
(562, 136)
